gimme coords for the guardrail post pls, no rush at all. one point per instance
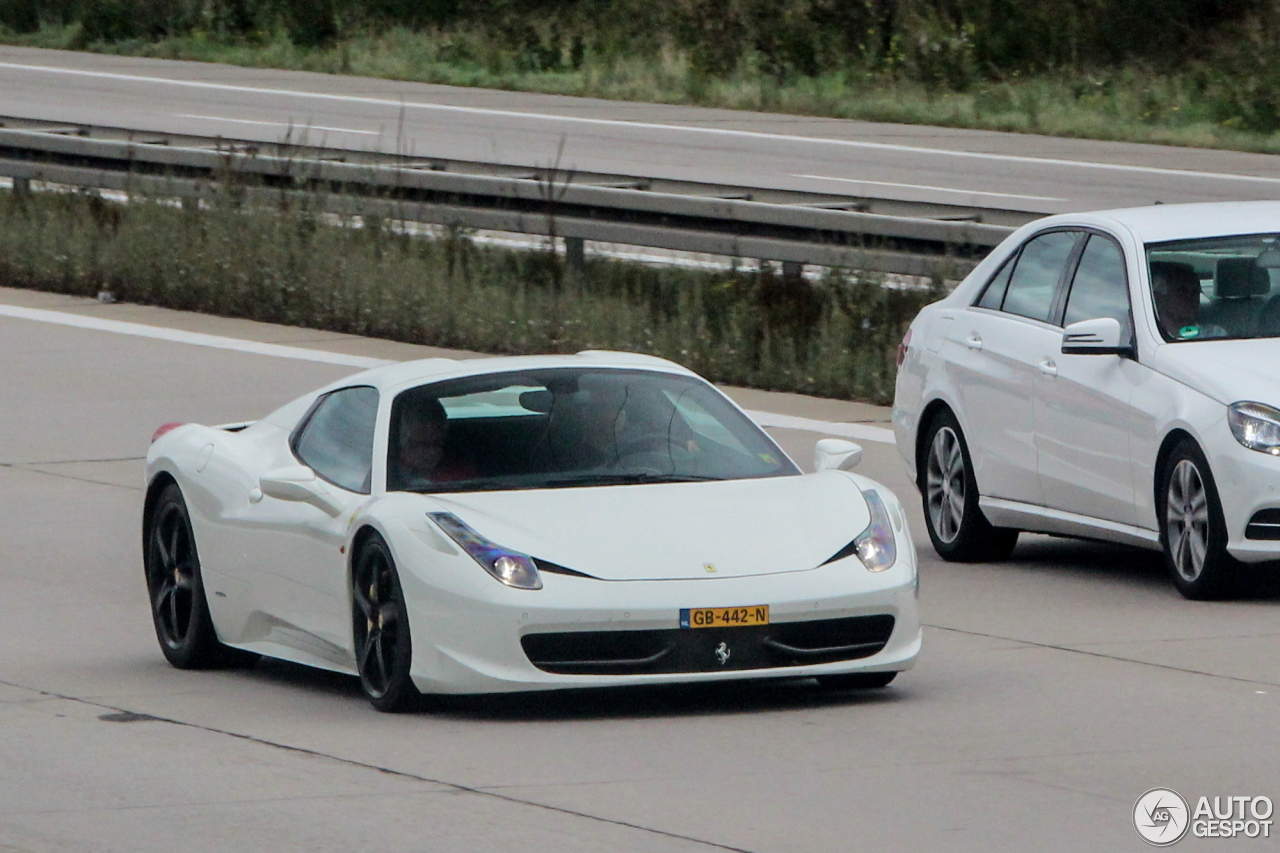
(792, 269)
(22, 187)
(575, 253)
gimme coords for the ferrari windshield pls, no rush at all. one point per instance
(1215, 288)
(563, 427)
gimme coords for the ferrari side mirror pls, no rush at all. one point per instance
(836, 454)
(299, 483)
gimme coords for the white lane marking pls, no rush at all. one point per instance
(287, 124)
(632, 125)
(931, 189)
(121, 327)
(861, 432)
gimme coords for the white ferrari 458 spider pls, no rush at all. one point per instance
(525, 523)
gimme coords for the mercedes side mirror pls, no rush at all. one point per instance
(1100, 336)
(836, 454)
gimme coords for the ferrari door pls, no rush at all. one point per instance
(296, 526)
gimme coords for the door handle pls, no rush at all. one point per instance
(1047, 367)
(974, 341)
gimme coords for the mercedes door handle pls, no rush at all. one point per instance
(1047, 367)
(974, 341)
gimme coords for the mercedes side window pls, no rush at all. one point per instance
(337, 440)
(1101, 286)
(1034, 282)
(993, 296)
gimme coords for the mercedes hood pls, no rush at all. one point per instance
(1227, 370)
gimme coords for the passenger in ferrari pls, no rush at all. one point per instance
(420, 454)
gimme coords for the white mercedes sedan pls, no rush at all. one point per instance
(510, 524)
(1112, 376)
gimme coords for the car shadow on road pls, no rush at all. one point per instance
(318, 682)
(1092, 561)
(645, 701)
(671, 700)
(1134, 567)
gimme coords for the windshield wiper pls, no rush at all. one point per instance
(494, 485)
(523, 482)
(620, 478)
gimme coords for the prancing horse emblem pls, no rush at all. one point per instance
(722, 652)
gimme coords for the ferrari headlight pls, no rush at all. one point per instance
(510, 567)
(875, 546)
(1256, 426)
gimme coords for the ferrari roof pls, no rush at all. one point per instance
(407, 373)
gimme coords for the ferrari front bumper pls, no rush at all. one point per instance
(475, 642)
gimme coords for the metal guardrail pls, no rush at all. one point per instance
(544, 202)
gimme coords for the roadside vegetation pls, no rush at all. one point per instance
(835, 338)
(1190, 72)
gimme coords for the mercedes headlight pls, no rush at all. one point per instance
(875, 546)
(1256, 426)
(510, 567)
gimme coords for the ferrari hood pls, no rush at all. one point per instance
(1227, 371)
(671, 531)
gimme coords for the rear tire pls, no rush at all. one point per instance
(1193, 531)
(857, 680)
(383, 646)
(179, 610)
(957, 528)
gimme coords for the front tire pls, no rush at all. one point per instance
(957, 528)
(179, 610)
(1193, 531)
(384, 649)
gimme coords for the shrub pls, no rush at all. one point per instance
(836, 337)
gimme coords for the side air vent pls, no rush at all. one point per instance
(598, 652)
(830, 639)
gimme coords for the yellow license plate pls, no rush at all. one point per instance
(724, 617)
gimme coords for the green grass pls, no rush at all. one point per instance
(1200, 107)
(834, 338)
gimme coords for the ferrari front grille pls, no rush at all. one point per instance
(708, 649)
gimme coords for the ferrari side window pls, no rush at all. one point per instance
(337, 440)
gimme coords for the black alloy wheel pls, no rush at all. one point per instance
(856, 680)
(178, 606)
(1193, 531)
(957, 528)
(384, 649)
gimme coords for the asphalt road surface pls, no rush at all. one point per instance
(961, 167)
(1051, 693)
